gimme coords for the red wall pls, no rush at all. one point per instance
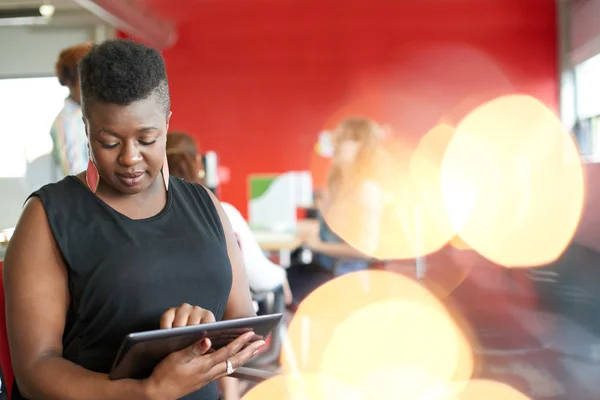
(257, 80)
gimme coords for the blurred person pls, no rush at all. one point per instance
(351, 204)
(184, 158)
(352, 200)
(69, 140)
(185, 161)
(115, 250)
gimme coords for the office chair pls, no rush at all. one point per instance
(274, 303)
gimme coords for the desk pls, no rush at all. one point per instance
(285, 242)
(282, 243)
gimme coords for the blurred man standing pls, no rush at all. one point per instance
(70, 150)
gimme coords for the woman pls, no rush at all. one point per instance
(68, 130)
(352, 203)
(351, 207)
(116, 249)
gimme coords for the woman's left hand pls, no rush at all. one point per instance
(185, 315)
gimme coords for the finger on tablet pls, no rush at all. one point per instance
(195, 316)
(206, 317)
(182, 314)
(166, 320)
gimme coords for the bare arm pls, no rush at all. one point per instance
(336, 250)
(240, 300)
(37, 299)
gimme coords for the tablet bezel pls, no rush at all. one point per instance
(262, 325)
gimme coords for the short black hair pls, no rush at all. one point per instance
(121, 71)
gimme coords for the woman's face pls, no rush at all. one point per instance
(128, 143)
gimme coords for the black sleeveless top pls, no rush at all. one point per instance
(123, 273)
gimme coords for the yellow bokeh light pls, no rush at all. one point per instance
(393, 383)
(512, 182)
(480, 389)
(425, 168)
(388, 321)
(301, 387)
(405, 339)
(325, 308)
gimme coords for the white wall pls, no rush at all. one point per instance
(32, 51)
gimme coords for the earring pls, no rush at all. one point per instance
(165, 172)
(92, 177)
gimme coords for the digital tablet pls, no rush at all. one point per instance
(142, 351)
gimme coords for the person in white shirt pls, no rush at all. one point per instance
(70, 151)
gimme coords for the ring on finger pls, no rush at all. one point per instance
(230, 369)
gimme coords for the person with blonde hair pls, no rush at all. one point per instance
(352, 203)
(350, 208)
(68, 130)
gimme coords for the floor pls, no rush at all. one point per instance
(543, 353)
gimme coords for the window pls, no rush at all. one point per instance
(587, 130)
(29, 107)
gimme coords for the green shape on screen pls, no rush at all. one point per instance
(259, 185)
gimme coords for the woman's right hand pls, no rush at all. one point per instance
(188, 370)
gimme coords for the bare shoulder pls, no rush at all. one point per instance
(32, 239)
(32, 224)
(217, 204)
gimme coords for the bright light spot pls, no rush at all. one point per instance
(389, 321)
(394, 383)
(319, 315)
(512, 182)
(425, 169)
(47, 10)
(413, 340)
(479, 389)
(300, 387)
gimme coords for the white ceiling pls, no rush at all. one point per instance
(68, 13)
(59, 4)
